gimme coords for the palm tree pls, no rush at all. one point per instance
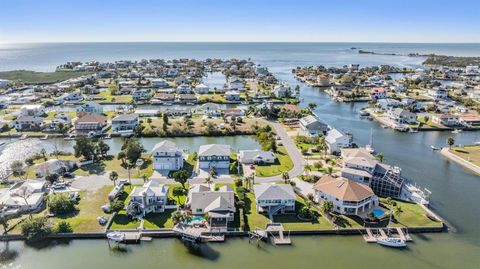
(327, 207)
(208, 180)
(450, 142)
(307, 169)
(17, 169)
(177, 192)
(113, 177)
(144, 177)
(379, 157)
(329, 170)
(285, 177)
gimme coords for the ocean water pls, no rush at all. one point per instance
(455, 190)
(46, 56)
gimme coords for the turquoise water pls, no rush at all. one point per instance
(196, 219)
(378, 213)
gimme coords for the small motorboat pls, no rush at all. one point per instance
(456, 131)
(116, 236)
(364, 113)
(392, 242)
(434, 148)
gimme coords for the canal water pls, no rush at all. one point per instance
(454, 197)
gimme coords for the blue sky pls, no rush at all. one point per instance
(246, 20)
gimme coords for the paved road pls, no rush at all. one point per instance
(293, 152)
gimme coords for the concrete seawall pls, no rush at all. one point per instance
(460, 161)
(168, 233)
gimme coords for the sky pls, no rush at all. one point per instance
(422, 21)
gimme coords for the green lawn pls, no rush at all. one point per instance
(282, 164)
(252, 217)
(412, 215)
(89, 208)
(122, 221)
(219, 98)
(161, 220)
(115, 98)
(468, 153)
(291, 222)
(32, 77)
(114, 164)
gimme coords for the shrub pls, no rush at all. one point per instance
(117, 205)
(36, 229)
(61, 204)
(63, 227)
(238, 182)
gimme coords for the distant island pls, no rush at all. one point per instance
(432, 59)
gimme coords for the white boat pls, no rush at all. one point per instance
(475, 143)
(116, 236)
(392, 242)
(456, 131)
(434, 148)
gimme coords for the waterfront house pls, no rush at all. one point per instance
(187, 98)
(337, 140)
(149, 198)
(218, 205)
(90, 124)
(214, 155)
(438, 93)
(348, 197)
(164, 97)
(182, 111)
(72, 97)
(470, 120)
(378, 93)
(22, 197)
(53, 166)
(274, 198)
(256, 156)
(184, 89)
(312, 126)
(167, 157)
(363, 167)
(91, 107)
(202, 89)
(402, 116)
(446, 119)
(323, 80)
(211, 109)
(159, 83)
(237, 112)
(232, 96)
(141, 94)
(32, 110)
(125, 123)
(235, 83)
(28, 123)
(281, 91)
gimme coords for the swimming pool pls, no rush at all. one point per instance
(196, 219)
(378, 212)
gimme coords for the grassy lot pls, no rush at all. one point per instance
(180, 199)
(428, 124)
(212, 98)
(282, 164)
(85, 219)
(32, 77)
(468, 153)
(115, 98)
(114, 164)
(121, 221)
(177, 125)
(412, 215)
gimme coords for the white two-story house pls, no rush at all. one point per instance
(149, 198)
(214, 155)
(274, 198)
(167, 156)
(125, 123)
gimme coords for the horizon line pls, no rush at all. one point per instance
(194, 41)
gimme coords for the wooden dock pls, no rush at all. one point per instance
(373, 235)
(277, 229)
(132, 237)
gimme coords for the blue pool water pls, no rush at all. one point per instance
(378, 213)
(196, 219)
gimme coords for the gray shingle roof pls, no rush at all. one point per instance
(274, 192)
